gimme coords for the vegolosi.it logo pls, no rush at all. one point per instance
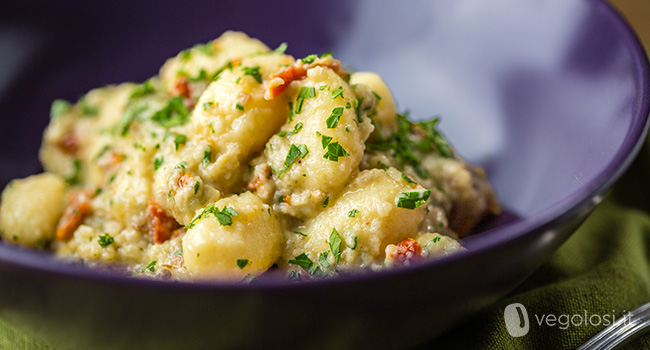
(518, 323)
(516, 318)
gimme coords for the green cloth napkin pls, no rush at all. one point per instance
(603, 269)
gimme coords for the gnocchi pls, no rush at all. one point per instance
(237, 159)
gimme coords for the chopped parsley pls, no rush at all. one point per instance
(403, 146)
(296, 129)
(382, 166)
(206, 49)
(151, 266)
(241, 263)
(408, 179)
(306, 264)
(376, 96)
(281, 49)
(105, 240)
(325, 140)
(253, 72)
(326, 202)
(196, 187)
(59, 107)
(224, 216)
(300, 233)
(143, 89)
(334, 151)
(104, 149)
(75, 177)
(353, 213)
(207, 155)
(239, 107)
(290, 112)
(173, 114)
(179, 139)
(436, 240)
(130, 114)
(356, 241)
(309, 59)
(335, 245)
(357, 108)
(295, 151)
(412, 200)
(207, 105)
(434, 136)
(87, 109)
(338, 92)
(305, 93)
(322, 259)
(333, 119)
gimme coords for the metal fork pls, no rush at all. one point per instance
(620, 332)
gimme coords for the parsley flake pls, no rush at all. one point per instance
(338, 92)
(305, 93)
(335, 245)
(408, 179)
(157, 163)
(224, 216)
(75, 177)
(196, 187)
(281, 49)
(59, 107)
(295, 151)
(412, 200)
(253, 72)
(173, 114)
(151, 266)
(326, 202)
(356, 241)
(105, 240)
(333, 119)
(179, 139)
(300, 233)
(306, 264)
(322, 259)
(353, 213)
(325, 140)
(207, 105)
(239, 107)
(241, 263)
(296, 129)
(309, 59)
(334, 151)
(207, 155)
(357, 108)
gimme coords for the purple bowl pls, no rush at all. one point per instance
(551, 97)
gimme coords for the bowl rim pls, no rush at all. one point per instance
(571, 206)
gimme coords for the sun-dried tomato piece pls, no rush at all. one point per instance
(77, 209)
(181, 87)
(69, 143)
(161, 226)
(298, 71)
(406, 250)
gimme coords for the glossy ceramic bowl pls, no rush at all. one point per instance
(550, 96)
